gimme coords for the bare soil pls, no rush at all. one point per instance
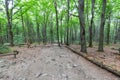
(109, 57)
(50, 63)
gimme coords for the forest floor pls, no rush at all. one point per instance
(110, 56)
(50, 63)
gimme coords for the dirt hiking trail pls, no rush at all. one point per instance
(50, 63)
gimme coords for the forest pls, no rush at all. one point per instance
(89, 28)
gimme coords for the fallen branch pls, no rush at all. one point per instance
(98, 63)
(116, 49)
(14, 53)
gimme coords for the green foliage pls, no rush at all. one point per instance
(18, 39)
(4, 49)
(43, 12)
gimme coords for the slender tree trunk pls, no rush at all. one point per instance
(91, 25)
(44, 29)
(101, 35)
(38, 30)
(108, 31)
(75, 32)
(57, 24)
(1, 38)
(94, 32)
(44, 34)
(28, 30)
(51, 32)
(87, 11)
(82, 26)
(119, 32)
(116, 31)
(68, 6)
(9, 19)
(61, 31)
(23, 27)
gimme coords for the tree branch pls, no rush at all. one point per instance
(76, 4)
(73, 15)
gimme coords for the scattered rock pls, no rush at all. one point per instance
(22, 78)
(64, 77)
(13, 63)
(63, 56)
(38, 75)
(1, 75)
(69, 66)
(53, 59)
(4, 63)
(45, 74)
(75, 65)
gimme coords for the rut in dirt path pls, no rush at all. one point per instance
(53, 63)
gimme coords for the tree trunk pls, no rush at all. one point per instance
(57, 24)
(28, 31)
(91, 25)
(108, 31)
(51, 32)
(61, 30)
(82, 26)
(116, 31)
(38, 30)
(101, 34)
(1, 38)
(75, 33)
(44, 33)
(23, 27)
(119, 32)
(9, 19)
(68, 6)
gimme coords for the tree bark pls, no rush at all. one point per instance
(91, 25)
(61, 30)
(38, 29)
(44, 33)
(108, 31)
(23, 27)
(1, 38)
(101, 34)
(68, 6)
(57, 23)
(116, 31)
(82, 26)
(9, 20)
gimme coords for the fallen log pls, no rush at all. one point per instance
(14, 53)
(98, 63)
(116, 49)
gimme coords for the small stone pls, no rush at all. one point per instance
(38, 75)
(53, 59)
(13, 63)
(48, 62)
(64, 56)
(1, 75)
(69, 66)
(75, 65)
(65, 77)
(2, 66)
(45, 74)
(22, 79)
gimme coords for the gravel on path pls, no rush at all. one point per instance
(50, 63)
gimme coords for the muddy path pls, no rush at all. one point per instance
(50, 63)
